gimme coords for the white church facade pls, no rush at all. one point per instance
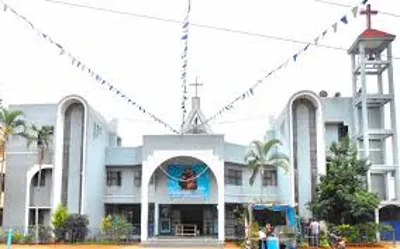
(89, 172)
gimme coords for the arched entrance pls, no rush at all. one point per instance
(173, 205)
(390, 215)
(183, 199)
(38, 195)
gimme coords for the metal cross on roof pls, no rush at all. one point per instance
(196, 85)
(368, 12)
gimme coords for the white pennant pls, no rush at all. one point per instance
(334, 26)
(355, 11)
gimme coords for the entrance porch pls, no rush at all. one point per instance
(187, 220)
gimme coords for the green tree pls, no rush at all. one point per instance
(41, 137)
(341, 197)
(263, 154)
(11, 125)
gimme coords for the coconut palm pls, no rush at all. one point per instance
(11, 125)
(262, 155)
(41, 137)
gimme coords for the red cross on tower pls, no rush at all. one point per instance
(368, 12)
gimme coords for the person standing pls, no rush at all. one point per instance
(314, 227)
(262, 237)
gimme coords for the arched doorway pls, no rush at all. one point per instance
(390, 215)
(38, 195)
(170, 205)
(183, 199)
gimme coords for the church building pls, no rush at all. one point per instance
(190, 184)
(172, 185)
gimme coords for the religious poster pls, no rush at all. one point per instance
(188, 181)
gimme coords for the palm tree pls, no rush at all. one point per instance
(11, 125)
(261, 156)
(42, 137)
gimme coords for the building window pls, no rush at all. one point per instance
(42, 179)
(270, 177)
(233, 177)
(32, 217)
(137, 178)
(96, 130)
(343, 130)
(113, 178)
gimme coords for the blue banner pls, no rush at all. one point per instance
(188, 181)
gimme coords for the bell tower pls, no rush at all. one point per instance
(374, 109)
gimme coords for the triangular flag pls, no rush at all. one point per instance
(184, 37)
(294, 58)
(251, 91)
(334, 26)
(364, 2)
(306, 47)
(324, 33)
(344, 19)
(316, 40)
(355, 11)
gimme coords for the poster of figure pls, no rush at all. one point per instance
(188, 181)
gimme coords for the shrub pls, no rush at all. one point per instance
(76, 227)
(117, 228)
(45, 234)
(361, 233)
(58, 220)
(17, 236)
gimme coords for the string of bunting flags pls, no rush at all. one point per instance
(184, 38)
(315, 42)
(84, 68)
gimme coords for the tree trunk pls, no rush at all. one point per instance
(2, 162)
(40, 156)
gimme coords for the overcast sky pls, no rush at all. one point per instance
(141, 57)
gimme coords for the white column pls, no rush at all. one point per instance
(144, 210)
(387, 187)
(356, 127)
(394, 122)
(58, 160)
(221, 205)
(156, 218)
(378, 236)
(364, 110)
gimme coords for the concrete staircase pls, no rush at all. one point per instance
(180, 242)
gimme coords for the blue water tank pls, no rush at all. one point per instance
(273, 243)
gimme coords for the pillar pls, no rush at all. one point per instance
(394, 122)
(221, 207)
(364, 110)
(378, 236)
(144, 209)
(156, 218)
